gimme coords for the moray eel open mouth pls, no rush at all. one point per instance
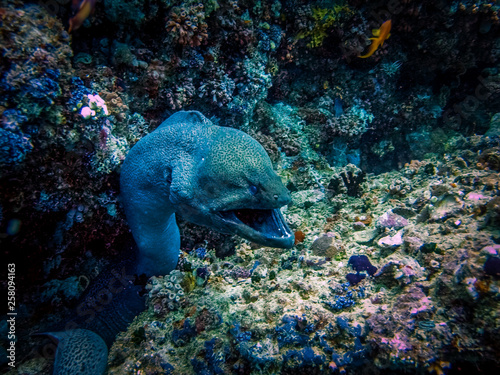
(265, 227)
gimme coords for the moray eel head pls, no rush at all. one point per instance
(238, 192)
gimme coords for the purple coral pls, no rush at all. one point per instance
(361, 263)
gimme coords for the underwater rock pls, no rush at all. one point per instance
(391, 220)
(394, 241)
(439, 189)
(476, 197)
(445, 207)
(358, 225)
(494, 129)
(493, 211)
(490, 250)
(404, 211)
(307, 198)
(409, 270)
(386, 273)
(365, 236)
(401, 270)
(326, 246)
(412, 243)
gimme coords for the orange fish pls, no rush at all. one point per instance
(381, 35)
(83, 8)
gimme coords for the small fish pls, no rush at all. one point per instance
(83, 8)
(381, 35)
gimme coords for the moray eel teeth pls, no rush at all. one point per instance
(261, 226)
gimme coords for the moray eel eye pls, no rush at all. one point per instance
(253, 189)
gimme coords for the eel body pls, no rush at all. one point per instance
(214, 176)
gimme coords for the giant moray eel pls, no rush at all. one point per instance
(214, 176)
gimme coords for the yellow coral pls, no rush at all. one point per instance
(438, 367)
(324, 18)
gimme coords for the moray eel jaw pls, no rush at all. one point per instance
(265, 227)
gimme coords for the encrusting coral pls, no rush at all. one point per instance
(187, 25)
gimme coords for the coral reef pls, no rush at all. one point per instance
(392, 159)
